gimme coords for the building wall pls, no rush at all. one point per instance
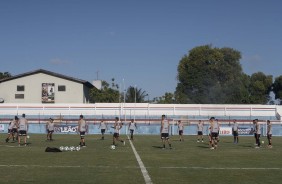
(33, 89)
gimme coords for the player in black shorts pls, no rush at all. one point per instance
(117, 126)
(12, 129)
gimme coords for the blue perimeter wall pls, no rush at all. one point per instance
(144, 129)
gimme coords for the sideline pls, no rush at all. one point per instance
(144, 171)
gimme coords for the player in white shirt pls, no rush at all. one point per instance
(23, 129)
(82, 130)
(235, 132)
(103, 126)
(180, 130)
(12, 129)
(117, 126)
(258, 131)
(200, 127)
(269, 134)
(131, 127)
(214, 132)
(50, 129)
(165, 131)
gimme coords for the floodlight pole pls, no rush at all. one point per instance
(124, 99)
(134, 100)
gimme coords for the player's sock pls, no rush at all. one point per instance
(7, 140)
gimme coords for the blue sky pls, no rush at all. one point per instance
(141, 42)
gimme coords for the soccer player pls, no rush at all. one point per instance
(50, 129)
(255, 131)
(165, 131)
(218, 124)
(82, 130)
(23, 129)
(214, 132)
(12, 129)
(258, 131)
(131, 127)
(103, 126)
(180, 130)
(269, 134)
(235, 132)
(200, 127)
(209, 134)
(117, 126)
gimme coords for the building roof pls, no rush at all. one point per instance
(86, 83)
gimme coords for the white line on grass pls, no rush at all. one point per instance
(144, 171)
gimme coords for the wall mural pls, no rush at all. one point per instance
(48, 93)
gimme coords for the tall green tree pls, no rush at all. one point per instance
(133, 94)
(277, 88)
(4, 75)
(167, 98)
(106, 95)
(210, 75)
(260, 87)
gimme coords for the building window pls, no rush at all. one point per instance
(61, 88)
(19, 96)
(20, 87)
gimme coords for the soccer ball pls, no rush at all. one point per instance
(72, 148)
(113, 147)
(67, 148)
(77, 148)
(62, 148)
(262, 142)
(27, 136)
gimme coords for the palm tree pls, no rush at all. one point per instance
(133, 94)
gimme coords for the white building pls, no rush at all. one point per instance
(42, 86)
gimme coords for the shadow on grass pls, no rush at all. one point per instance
(202, 146)
(159, 147)
(176, 140)
(246, 146)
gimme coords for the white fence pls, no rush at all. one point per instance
(134, 110)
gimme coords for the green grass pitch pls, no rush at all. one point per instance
(187, 162)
